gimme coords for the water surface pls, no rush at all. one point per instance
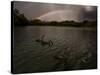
(77, 46)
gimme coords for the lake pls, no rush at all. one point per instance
(72, 49)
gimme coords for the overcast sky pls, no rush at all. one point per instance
(56, 12)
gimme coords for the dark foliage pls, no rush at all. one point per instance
(20, 19)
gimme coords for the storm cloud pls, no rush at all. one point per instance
(33, 10)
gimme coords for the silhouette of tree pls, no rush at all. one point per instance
(20, 19)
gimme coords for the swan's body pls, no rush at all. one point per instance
(43, 42)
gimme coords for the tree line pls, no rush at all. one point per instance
(21, 20)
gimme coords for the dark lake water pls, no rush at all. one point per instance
(77, 48)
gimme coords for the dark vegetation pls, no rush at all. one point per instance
(21, 20)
